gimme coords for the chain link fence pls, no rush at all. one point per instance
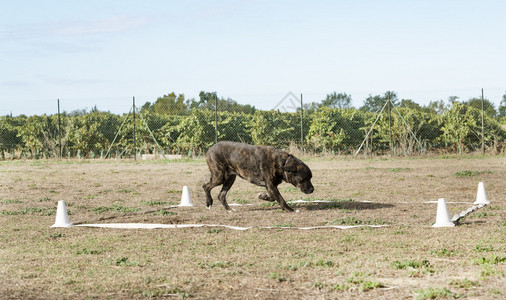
(190, 131)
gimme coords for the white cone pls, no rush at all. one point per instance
(442, 218)
(62, 218)
(186, 199)
(481, 196)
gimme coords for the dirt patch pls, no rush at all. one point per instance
(404, 259)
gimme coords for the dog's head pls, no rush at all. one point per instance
(298, 173)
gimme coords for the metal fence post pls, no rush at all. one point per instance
(482, 125)
(59, 130)
(301, 124)
(390, 125)
(135, 149)
(216, 119)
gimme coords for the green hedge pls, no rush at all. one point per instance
(330, 130)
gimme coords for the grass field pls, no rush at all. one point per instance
(406, 259)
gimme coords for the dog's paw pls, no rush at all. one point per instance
(209, 207)
(264, 196)
(297, 210)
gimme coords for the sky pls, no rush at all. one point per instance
(103, 53)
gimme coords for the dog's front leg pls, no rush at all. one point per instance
(276, 195)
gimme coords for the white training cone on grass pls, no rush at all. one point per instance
(443, 218)
(481, 196)
(62, 218)
(186, 199)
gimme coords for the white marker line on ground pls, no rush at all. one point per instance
(176, 226)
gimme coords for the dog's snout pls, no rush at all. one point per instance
(307, 189)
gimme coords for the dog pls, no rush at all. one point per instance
(261, 165)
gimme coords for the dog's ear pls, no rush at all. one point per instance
(290, 164)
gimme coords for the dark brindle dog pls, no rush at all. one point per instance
(261, 165)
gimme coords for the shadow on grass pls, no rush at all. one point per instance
(344, 205)
(348, 205)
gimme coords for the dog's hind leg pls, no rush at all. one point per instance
(229, 181)
(216, 179)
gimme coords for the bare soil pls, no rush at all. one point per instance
(405, 259)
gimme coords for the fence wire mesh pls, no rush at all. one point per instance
(190, 131)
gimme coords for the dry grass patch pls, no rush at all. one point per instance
(406, 259)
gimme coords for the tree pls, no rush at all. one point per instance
(209, 100)
(488, 106)
(408, 103)
(78, 112)
(502, 106)
(437, 106)
(147, 107)
(376, 103)
(170, 104)
(335, 100)
(457, 124)
(9, 138)
(274, 128)
(452, 99)
(309, 108)
(335, 129)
